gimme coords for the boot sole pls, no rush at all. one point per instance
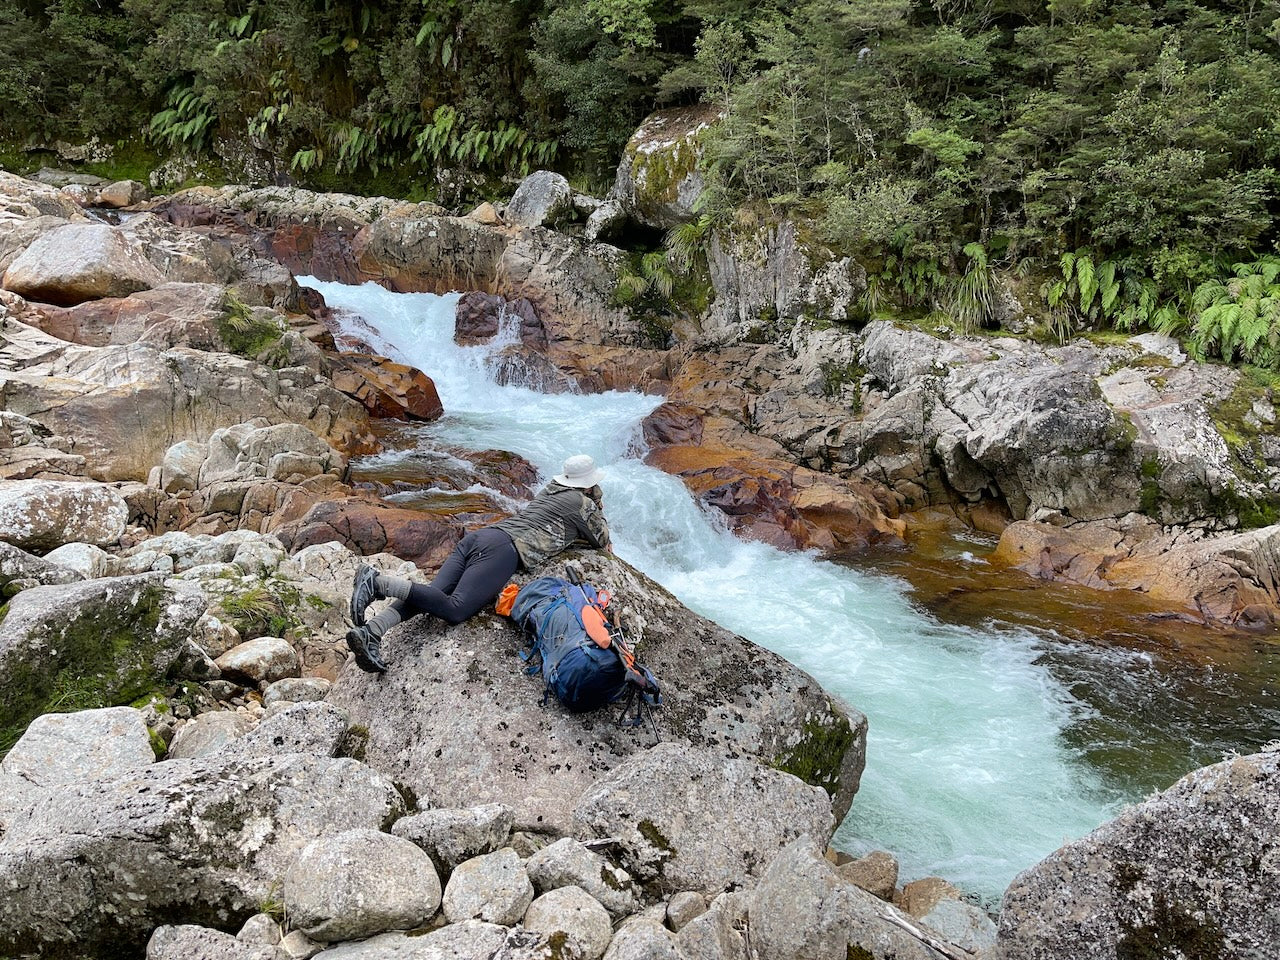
(363, 593)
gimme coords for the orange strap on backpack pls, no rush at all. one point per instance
(506, 600)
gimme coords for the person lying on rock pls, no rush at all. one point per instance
(565, 512)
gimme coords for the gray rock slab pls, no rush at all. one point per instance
(494, 887)
(96, 866)
(359, 883)
(575, 914)
(100, 642)
(208, 734)
(668, 808)
(452, 835)
(68, 748)
(469, 940)
(43, 514)
(567, 863)
(189, 942)
(316, 727)
(295, 690)
(1197, 865)
(721, 694)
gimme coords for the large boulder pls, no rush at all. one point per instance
(44, 514)
(494, 887)
(572, 915)
(126, 405)
(78, 262)
(658, 180)
(667, 807)
(506, 748)
(369, 526)
(263, 659)
(96, 643)
(359, 883)
(1080, 432)
(172, 314)
(95, 866)
(1192, 872)
(451, 836)
(544, 198)
(387, 388)
(568, 863)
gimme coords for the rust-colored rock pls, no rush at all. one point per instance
(370, 527)
(790, 507)
(175, 314)
(387, 388)
(1233, 579)
(673, 424)
(702, 434)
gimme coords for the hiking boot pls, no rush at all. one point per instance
(364, 590)
(367, 649)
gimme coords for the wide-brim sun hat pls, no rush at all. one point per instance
(580, 471)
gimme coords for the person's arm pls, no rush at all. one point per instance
(592, 525)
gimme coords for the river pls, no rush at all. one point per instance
(993, 739)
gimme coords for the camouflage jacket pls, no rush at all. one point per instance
(554, 520)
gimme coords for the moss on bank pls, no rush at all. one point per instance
(818, 757)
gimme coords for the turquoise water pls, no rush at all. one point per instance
(975, 769)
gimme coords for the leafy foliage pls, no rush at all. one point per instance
(1133, 144)
(1240, 318)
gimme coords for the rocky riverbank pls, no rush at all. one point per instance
(178, 528)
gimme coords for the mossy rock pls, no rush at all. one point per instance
(659, 179)
(100, 643)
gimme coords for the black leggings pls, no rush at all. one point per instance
(471, 576)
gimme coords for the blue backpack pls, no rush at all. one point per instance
(581, 674)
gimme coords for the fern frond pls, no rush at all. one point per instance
(1086, 281)
(1068, 263)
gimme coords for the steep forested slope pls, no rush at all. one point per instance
(1124, 149)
